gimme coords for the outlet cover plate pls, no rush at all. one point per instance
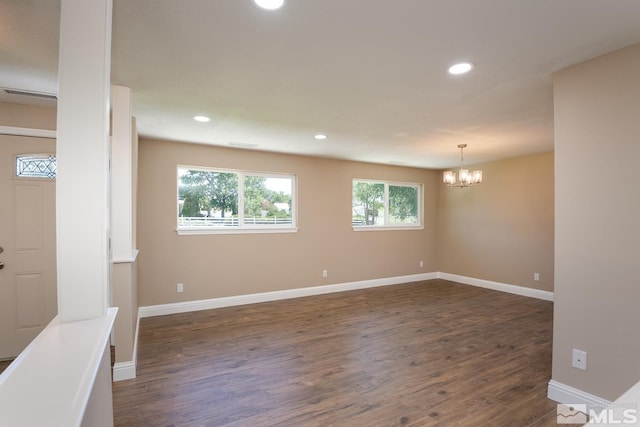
(579, 359)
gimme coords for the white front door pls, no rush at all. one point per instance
(28, 294)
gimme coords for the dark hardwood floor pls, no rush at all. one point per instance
(4, 364)
(419, 354)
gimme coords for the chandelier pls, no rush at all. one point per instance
(465, 179)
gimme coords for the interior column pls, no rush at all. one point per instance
(82, 206)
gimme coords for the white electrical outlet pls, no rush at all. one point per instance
(180, 287)
(421, 263)
(325, 273)
(579, 359)
(536, 276)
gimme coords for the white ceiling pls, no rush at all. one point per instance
(371, 74)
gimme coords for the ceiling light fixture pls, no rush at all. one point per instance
(201, 119)
(461, 68)
(465, 179)
(320, 136)
(269, 4)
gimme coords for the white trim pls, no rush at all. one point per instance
(237, 230)
(386, 227)
(71, 354)
(497, 286)
(563, 393)
(123, 261)
(187, 306)
(127, 370)
(124, 371)
(36, 133)
(135, 342)
(134, 256)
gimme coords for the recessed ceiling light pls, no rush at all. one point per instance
(320, 136)
(269, 4)
(460, 68)
(202, 119)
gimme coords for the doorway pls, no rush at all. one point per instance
(28, 291)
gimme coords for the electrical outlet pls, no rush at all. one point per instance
(180, 287)
(579, 359)
(536, 276)
(421, 263)
(325, 273)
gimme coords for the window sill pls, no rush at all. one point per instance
(212, 230)
(389, 228)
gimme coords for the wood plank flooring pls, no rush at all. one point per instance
(418, 354)
(4, 364)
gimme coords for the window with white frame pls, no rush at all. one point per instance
(215, 200)
(382, 204)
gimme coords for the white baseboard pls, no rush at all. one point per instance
(127, 370)
(187, 306)
(563, 393)
(497, 286)
(124, 371)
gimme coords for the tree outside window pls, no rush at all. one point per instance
(385, 204)
(210, 198)
(205, 192)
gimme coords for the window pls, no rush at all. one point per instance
(36, 166)
(219, 201)
(386, 205)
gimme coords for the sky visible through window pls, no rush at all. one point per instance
(279, 184)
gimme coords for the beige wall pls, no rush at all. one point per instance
(597, 276)
(25, 116)
(213, 266)
(501, 230)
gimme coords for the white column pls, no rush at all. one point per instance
(121, 175)
(123, 269)
(82, 205)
